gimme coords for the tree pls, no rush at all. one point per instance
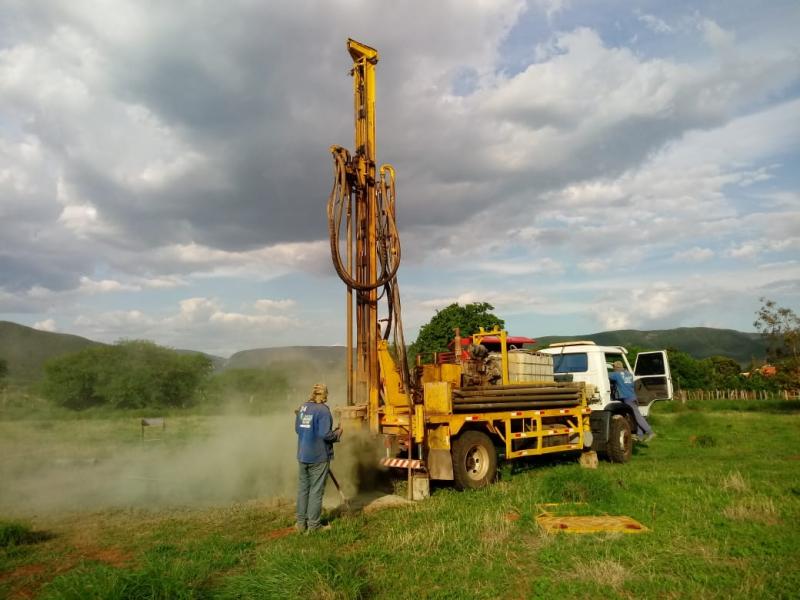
(438, 332)
(780, 327)
(688, 373)
(130, 374)
(70, 380)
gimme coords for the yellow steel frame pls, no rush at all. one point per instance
(533, 424)
(477, 337)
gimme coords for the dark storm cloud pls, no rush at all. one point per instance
(22, 272)
(240, 101)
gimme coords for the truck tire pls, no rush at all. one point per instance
(620, 442)
(474, 460)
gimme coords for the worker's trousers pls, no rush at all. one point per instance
(309, 494)
(642, 426)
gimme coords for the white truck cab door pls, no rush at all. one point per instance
(652, 377)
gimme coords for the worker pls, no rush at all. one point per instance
(623, 386)
(315, 440)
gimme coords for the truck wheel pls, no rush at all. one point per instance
(474, 460)
(620, 443)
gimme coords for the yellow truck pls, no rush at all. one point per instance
(470, 408)
(458, 412)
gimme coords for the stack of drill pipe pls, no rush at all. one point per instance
(513, 397)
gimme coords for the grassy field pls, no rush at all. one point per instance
(719, 490)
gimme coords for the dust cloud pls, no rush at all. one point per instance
(195, 461)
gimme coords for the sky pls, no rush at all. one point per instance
(582, 166)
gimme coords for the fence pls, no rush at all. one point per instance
(684, 395)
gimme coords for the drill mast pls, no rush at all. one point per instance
(361, 207)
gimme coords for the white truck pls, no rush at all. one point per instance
(611, 421)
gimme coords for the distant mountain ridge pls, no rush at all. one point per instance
(26, 349)
(259, 358)
(699, 342)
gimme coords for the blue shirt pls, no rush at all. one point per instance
(624, 385)
(314, 436)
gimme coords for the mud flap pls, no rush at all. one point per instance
(600, 422)
(440, 464)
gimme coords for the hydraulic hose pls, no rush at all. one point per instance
(344, 193)
(341, 201)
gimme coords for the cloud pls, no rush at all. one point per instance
(693, 255)
(752, 249)
(199, 322)
(145, 149)
(46, 325)
(593, 265)
(517, 267)
(716, 37)
(91, 286)
(205, 150)
(654, 23)
(267, 304)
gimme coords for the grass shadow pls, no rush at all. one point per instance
(17, 534)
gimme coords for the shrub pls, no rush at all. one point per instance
(130, 374)
(13, 534)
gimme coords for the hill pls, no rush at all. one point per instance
(261, 358)
(303, 366)
(699, 342)
(26, 349)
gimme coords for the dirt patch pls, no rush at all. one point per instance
(277, 534)
(375, 501)
(511, 517)
(26, 580)
(110, 556)
(24, 571)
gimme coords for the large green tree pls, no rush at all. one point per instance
(438, 332)
(129, 374)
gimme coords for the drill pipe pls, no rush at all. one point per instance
(513, 391)
(521, 398)
(500, 406)
(522, 386)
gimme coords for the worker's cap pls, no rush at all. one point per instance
(319, 392)
(618, 365)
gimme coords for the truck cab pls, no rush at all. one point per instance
(611, 420)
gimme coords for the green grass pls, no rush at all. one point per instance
(723, 518)
(13, 534)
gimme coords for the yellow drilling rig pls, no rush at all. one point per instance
(462, 410)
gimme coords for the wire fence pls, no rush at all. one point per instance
(685, 395)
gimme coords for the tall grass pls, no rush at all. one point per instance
(722, 522)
